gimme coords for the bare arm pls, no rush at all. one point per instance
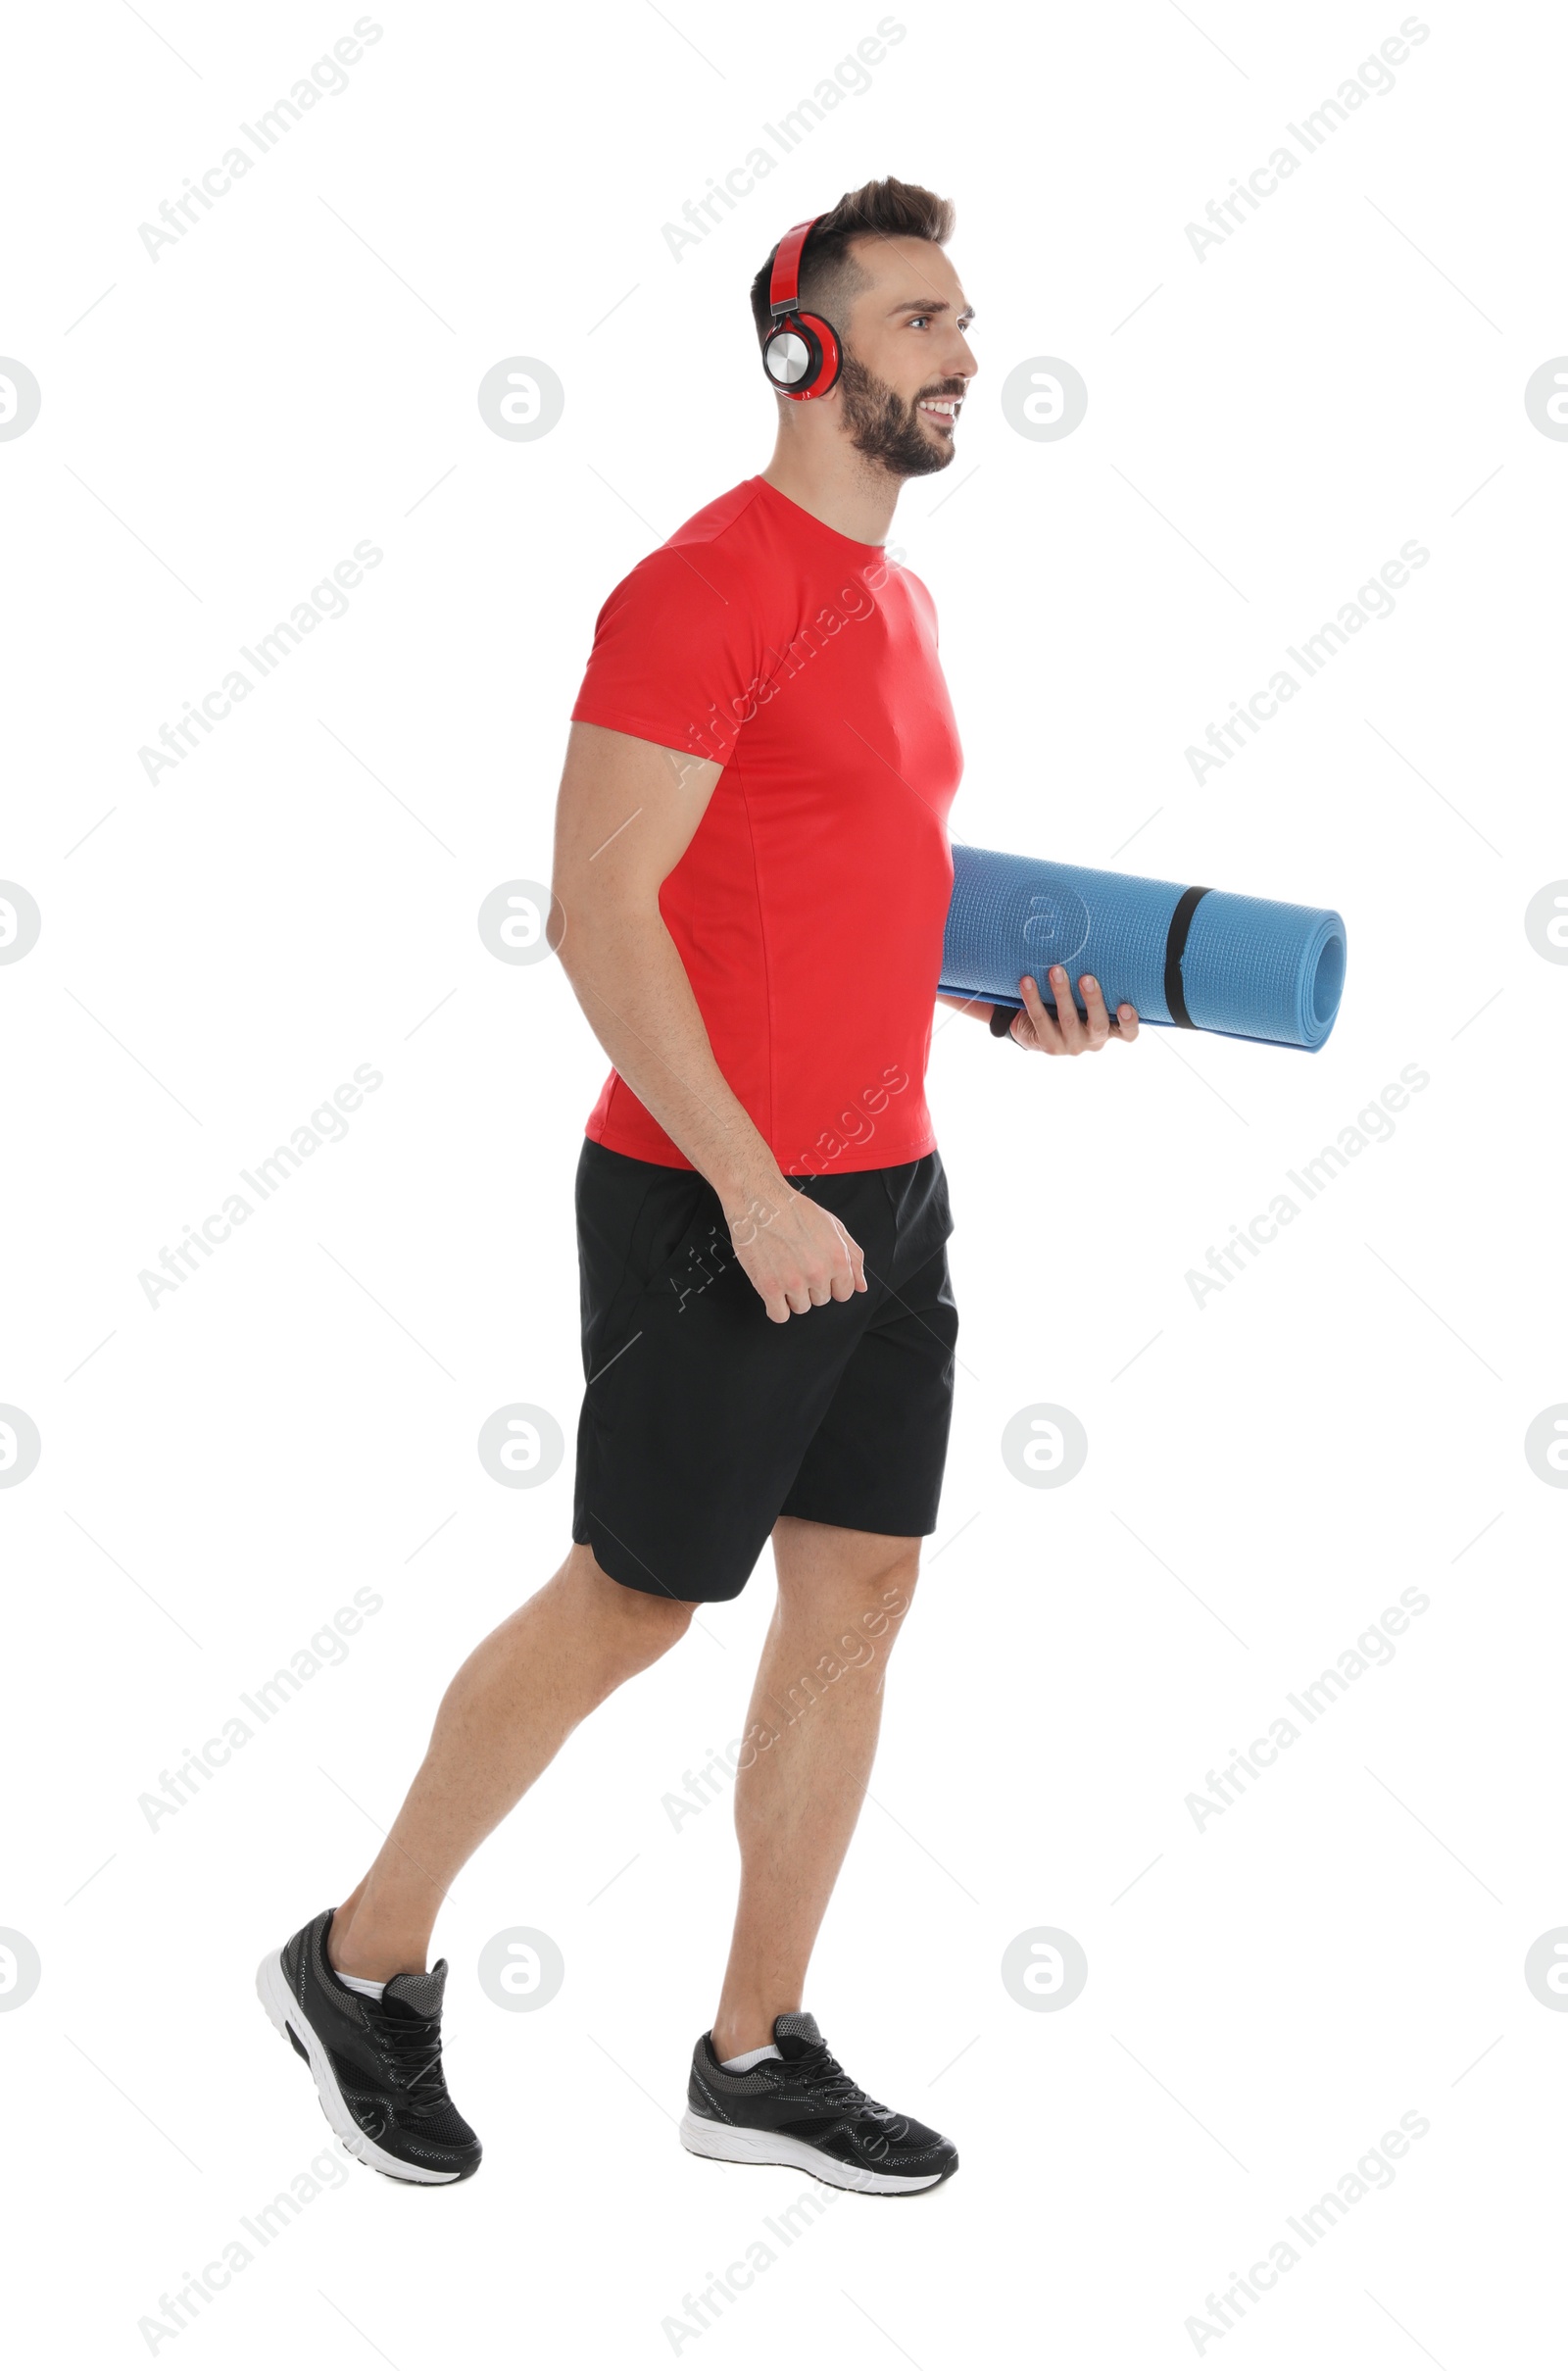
(626, 816)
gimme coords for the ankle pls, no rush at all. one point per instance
(737, 2031)
(355, 1947)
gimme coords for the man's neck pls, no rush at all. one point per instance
(838, 486)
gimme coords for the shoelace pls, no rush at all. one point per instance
(413, 2046)
(817, 2070)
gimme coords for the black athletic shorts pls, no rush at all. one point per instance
(703, 1421)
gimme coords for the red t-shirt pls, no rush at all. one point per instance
(809, 908)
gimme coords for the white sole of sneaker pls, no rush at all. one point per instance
(735, 2147)
(272, 1990)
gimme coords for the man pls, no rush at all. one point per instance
(750, 880)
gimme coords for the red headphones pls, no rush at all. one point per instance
(800, 352)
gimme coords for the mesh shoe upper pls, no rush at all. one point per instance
(805, 2092)
(385, 2054)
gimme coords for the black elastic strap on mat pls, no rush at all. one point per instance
(1181, 921)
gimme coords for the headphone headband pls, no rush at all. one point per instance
(785, 288)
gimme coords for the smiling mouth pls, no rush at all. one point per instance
(944, 410)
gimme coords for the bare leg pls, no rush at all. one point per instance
(504, 1718)
(811, 1730)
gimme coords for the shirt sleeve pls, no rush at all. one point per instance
(673, 659)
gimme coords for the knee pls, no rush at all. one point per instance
(650, 1626)
(862, 1600)
(635, 1626)
(889, 1597)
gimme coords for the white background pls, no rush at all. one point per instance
(219, 949)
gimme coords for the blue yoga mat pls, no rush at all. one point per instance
(1195, 958)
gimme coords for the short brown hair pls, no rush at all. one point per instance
(830, 277)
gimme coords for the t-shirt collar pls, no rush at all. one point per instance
(808, 522)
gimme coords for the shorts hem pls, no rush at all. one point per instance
(621, 1566)
(879, 1530)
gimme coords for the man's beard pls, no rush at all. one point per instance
(886, 429)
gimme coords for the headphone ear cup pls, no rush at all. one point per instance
(831, 359)
(802, 357)
(790, 356)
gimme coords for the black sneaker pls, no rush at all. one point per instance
(376, 2063)
(801, 2109)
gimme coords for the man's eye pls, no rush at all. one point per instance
(919, 319)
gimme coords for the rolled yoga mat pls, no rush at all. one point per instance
(1197, 959)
